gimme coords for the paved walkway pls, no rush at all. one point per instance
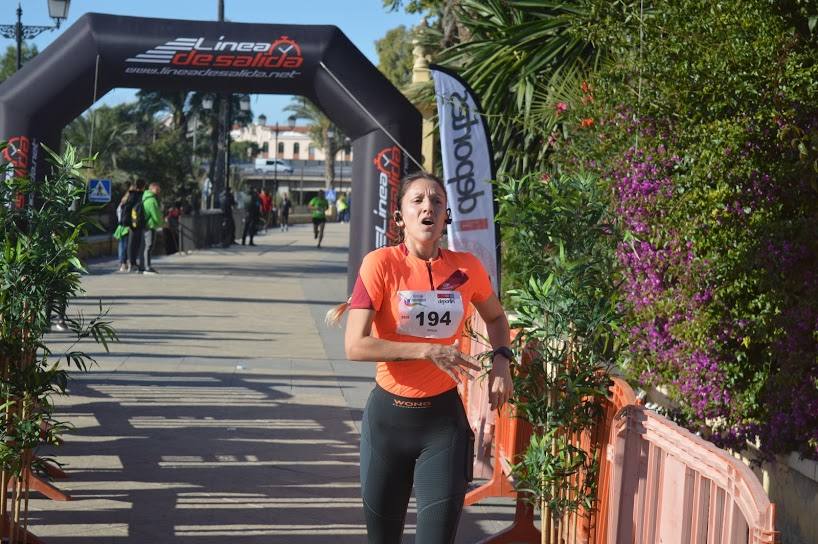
(227, 412)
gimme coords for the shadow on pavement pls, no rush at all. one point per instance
(265, 457)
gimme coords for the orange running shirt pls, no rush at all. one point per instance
(387, 271)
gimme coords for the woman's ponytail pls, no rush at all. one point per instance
(334, 315)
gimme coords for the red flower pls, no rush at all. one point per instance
(560, 107)
(586, 123)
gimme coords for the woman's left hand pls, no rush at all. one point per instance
(500, 384)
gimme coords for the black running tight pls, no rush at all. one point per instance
(425, 441)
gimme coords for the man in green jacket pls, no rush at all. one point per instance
(153, 222)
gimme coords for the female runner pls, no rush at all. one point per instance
(406, 312)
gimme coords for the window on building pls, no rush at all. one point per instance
(281, 148)
(296, 149)
(311, 152)
(265, 147)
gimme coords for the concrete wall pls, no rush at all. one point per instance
(792, 484)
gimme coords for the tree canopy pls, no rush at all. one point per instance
(395, 56)
(9, 62)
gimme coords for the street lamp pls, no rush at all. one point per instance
(347, 143)
(290, 126)
(329, 158)
(244, 102)
(225, 126)
(207, 105)
(224, 136)
(244, 105)
(57, 10)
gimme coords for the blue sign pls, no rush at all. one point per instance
(330, 195)
(99, 191)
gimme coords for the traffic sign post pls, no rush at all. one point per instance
(99, 191)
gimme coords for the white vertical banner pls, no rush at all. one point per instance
(467, 169)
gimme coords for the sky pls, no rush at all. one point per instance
(363, 21)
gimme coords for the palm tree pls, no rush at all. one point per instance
(174, 103)
(322, 132)
(104, 132)
(522, 57)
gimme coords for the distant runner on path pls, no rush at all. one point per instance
(318, 206)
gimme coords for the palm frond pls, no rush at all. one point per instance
(522, 58)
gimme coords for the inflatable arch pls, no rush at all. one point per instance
(101, 52)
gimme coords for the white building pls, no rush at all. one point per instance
(293, 144)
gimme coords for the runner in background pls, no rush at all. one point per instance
(318, 206)
(406, 313)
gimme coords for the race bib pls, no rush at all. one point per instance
(429, 314)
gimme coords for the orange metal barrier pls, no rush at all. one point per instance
(499, 437)
(621, 395)
(583, 527)
(668, 485)
(509, 437)
(657, 482)
(476, 403)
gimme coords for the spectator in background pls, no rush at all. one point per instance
(343, 209)
(135, 239)
(228, 225)
(252, 211)
(121, 233)
(266, 201)
(286, 206)
(153, 222)
(171, 229)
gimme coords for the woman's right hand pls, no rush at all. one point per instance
(452, 361)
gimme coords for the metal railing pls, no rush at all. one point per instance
(670, 486)
(508, 436)
(657, 482)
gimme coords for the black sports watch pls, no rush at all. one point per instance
(505, 351)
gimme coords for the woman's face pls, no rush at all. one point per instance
(423, 211)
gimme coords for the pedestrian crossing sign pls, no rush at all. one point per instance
(99, 191)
